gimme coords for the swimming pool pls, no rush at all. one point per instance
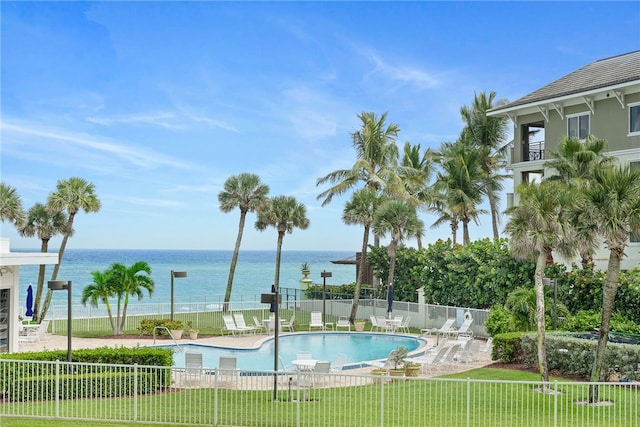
(359, 347)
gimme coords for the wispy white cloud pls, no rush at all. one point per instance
(398, 72)
(167, 120)
(32, 134)
(149, 202)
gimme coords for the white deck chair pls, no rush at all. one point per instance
(404, 326)
(43, 331)
(338, 362)
(321, 372)
(464, 330)
(442, 330)
(271, 326)
(374, 323)
(289, 324)
(343, 322)
(450, 357)
(259, 325)
(229, 325)
(316, 321)
(227, 368)
(192, 366)
(241, 324)
(466, 353)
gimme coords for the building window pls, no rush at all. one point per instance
(578, 126)
(634, 119)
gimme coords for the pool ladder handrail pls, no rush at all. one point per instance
(170, 334)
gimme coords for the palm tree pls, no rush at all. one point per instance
(575, 163)
(360, 210)
(247, 193)
(460, 183)
(128, 281)
(71, 195)
(538, 225)
(377, 159)
(415, 171)
(613, 201)
(399, 219)
(41, 222)
(488, 134)
(10, 205)
(283, 213)
(100, 290)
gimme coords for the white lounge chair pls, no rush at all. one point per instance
(289, 324)
(404, 326)
(464, 330)
(442, 330)
(227, 367)
(343, 322)
(374, 323)
(321, 372)
(259, 325)
(316, 321)
(338, 362)
(241, 324)
(229, 325)
(192, 366)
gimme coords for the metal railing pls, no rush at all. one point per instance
(152, 394)
(206, 315)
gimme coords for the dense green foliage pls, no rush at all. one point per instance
(476, 275)
(147, 326)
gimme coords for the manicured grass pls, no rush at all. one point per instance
(406, 403)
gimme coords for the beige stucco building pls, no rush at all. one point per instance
(601, 98)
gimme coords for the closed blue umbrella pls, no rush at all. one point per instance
(29, 302)
(272, 307)
(390, 298)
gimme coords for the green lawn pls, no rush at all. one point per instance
(406, 403)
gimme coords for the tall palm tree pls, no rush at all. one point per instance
(460, 183)
(446, 214)
(283, 213)
(360, 210)
(613, 201)
(376, 160)
(538, 225)
(575, 163)
(247, 193)
(10, 205)
(71, 195)
(100, 290)
(399, 219)
(128, 281)
(488, 134)
(416, 171)
(41, 222)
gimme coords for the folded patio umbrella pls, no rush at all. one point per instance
(390, 298)
(29, 302)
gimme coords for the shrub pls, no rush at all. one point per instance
(499, 321)
(507, 348)
(147, 326)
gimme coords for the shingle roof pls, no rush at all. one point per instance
(599, 74)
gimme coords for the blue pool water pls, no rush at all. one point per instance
(358, 347)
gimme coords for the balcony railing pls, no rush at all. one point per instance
(532, 152)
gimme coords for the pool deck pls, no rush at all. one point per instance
(59, 342)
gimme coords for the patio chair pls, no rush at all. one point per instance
(383, 325)
(374, 323)
(289, 324)
(442, 330)
(464, 330)
(343, 322)
(271, 325)
(321, 372)
(192, 366)
(43, 331)
(316, 321)
(229, 325)
(430, 363)
(466, 353)
(338, 362)
(227, 368)
(260, 327)
(404, 326)
(241, 324)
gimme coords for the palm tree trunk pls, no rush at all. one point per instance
(234, 261)
(543, 366)
(363, 263)
(465, 231)
(608, 300)
(56, 268)
(108, 307)
(124, 314)
(494, 215)
(44, 247)
(454, 232)
(276, 280)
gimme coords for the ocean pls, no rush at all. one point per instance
(207, 271)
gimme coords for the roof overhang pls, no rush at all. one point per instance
(557, 104)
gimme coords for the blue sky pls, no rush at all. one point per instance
(158, 103)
